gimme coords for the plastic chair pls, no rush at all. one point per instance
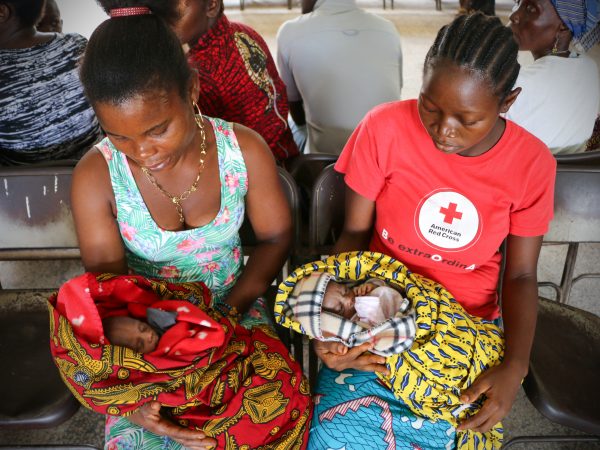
(36, 224)
(305, 169)
(584, 158)
(325, 225)
(565, 360)
(327, 211)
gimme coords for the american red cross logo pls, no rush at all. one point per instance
(450, 213)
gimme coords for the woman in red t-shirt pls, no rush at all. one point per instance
(439, 183)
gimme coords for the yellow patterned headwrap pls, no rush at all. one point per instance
(451, 347)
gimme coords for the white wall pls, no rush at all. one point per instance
(80, 16)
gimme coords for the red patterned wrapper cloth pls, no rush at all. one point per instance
(239, 83)
(239, 386)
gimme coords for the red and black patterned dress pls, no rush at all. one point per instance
(239, 83)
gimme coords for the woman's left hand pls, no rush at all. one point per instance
(500, 385)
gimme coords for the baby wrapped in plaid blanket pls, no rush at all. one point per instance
(239, 386)
(448, 349)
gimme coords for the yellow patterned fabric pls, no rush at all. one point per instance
(451, 348)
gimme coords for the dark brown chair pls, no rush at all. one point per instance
(36, 224)
(305, 169)
(584, 158)
(326, 211)
(325, 225)
(564, 367)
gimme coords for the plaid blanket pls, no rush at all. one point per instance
(451, 348)
(304, 303)
(239, 386)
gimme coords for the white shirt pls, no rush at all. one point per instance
(341, 61)
(559, 101)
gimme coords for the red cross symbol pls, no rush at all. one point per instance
(450, 213)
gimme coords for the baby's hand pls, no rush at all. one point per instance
(363, 289)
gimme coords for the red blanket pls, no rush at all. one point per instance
(239, 386)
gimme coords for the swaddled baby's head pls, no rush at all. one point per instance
(339, 298)
(131, 333)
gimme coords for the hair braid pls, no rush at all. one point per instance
(482, 44)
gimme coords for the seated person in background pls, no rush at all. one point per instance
(238, 78)
(337, 61)
(560, 91)
(50, 21)
(353, 303)
(44, 115)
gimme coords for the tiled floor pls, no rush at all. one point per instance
(418, 23)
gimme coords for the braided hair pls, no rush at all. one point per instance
(481, 44)
(132, 55)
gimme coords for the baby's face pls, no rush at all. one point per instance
(339, 299)
(132, 333)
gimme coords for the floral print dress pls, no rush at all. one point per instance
(211, 253)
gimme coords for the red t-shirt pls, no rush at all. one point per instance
(445, 216)
(240, 83)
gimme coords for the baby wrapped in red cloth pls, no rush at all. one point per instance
(239, 386)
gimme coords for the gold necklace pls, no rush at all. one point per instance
(177, 199)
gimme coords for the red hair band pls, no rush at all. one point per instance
(133, 11)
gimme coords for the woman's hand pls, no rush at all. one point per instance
(338, 357)
(500, 385)
(148, 417)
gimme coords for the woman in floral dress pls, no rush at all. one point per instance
(165, 194)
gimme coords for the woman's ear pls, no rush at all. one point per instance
(5, 13)
(214, 8)
(194, 89)
(564, 37)
(509, 100)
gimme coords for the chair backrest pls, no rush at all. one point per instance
(306, 168)
(35, 214)
(584, 158)
(576, 205)
(576, 220)
(327, 211)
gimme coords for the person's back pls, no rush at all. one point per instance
(43, 112)
(239, 83)
(560, 91)
(340, 61)
(559, 101)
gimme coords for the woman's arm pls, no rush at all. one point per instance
(519, 312)
(92, 201)
(358, 223)
(356, 234)
(269, 214)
